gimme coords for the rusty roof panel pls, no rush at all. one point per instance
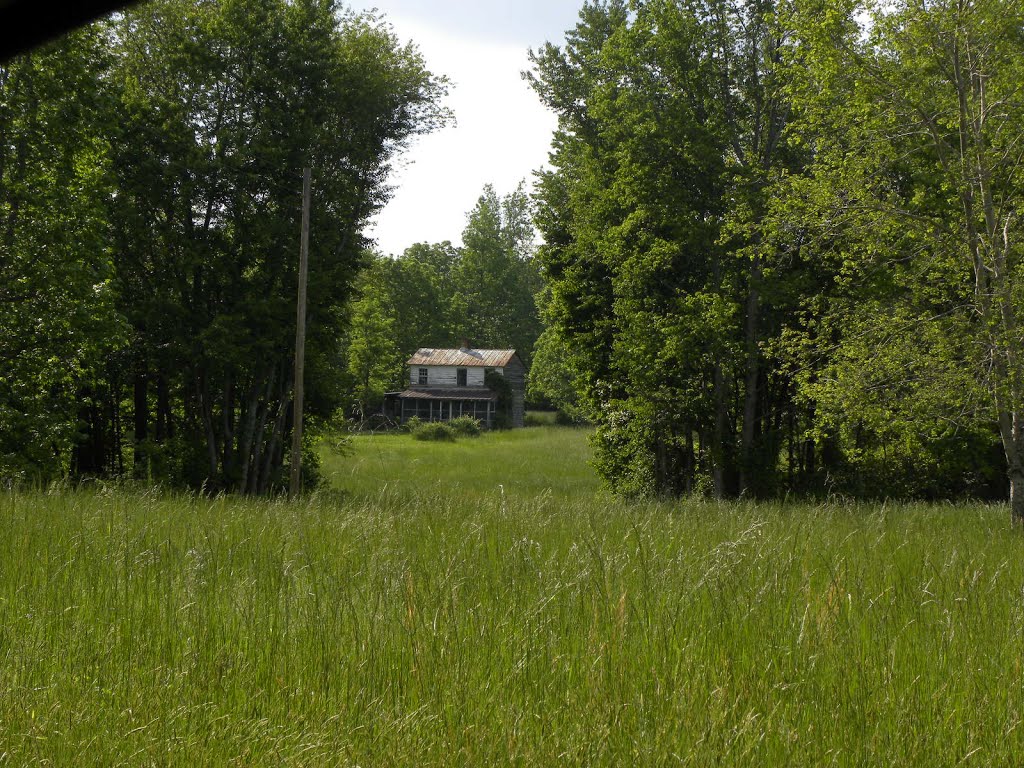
(462, 393)
(489, 358)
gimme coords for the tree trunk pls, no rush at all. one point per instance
(116, 392)
(663, 482)
(688, 452)
(1017, 496)
(227, 418)
(140, 422)
(1010, 432)
(164, 428)
(89, 455)
(251, 436)
(273, 458)
(791, 453)
(718, 434)
(211, 436)
(748, 435)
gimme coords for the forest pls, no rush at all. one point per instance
(780, 244)
(150, 170)
(774, 252)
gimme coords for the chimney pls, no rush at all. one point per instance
(465, 344)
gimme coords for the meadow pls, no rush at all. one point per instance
(484, 602)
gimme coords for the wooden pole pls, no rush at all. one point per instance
(300, 339)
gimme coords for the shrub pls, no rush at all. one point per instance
(564, 419)
(552, 418)
(539, 419)
(434, 430)
(412, 424)
(466, 426)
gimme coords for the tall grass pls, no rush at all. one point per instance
(396, 627)
(525, 463)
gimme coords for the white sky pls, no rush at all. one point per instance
(501, 132)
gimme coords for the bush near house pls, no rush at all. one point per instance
(465, 426)
(462, 426)
(433, 430)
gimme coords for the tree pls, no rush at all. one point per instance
(496, 278)
(552, 378)
(374, 358)
(223, 105)
(918, 119)
(420, 286)
(671, 116)
(56, 303)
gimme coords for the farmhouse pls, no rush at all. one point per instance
(447, 383)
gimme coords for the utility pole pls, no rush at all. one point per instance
(300, 339)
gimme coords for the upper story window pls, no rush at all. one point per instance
(422, 376)
(460, 377)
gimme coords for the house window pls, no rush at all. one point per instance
(423, 376)
(460, 377)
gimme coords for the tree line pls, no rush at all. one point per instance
(150, 194)
(781, 244)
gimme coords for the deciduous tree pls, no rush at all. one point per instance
(57, 323)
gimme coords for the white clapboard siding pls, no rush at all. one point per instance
(441, 376)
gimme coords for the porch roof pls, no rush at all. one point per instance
(460, 393)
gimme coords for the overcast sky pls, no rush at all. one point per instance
(502, 133)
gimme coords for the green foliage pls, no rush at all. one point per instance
(899, 396)
(57, 319)
(758, 278)
(150, 193)
(446, 431)
(779, 244)
(340, 96)
(400, 305)
(461, 426)
(908, 198)
(419, 287)
(465, 426)
(372, 350)
(335, 435)
(539, 418)
(496, 277)
(553, 379)
(646, 292)
(436, 431)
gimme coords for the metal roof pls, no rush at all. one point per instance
(461, 393)
(490, 358)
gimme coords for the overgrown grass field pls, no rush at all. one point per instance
(532, 463)
(422, 615)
